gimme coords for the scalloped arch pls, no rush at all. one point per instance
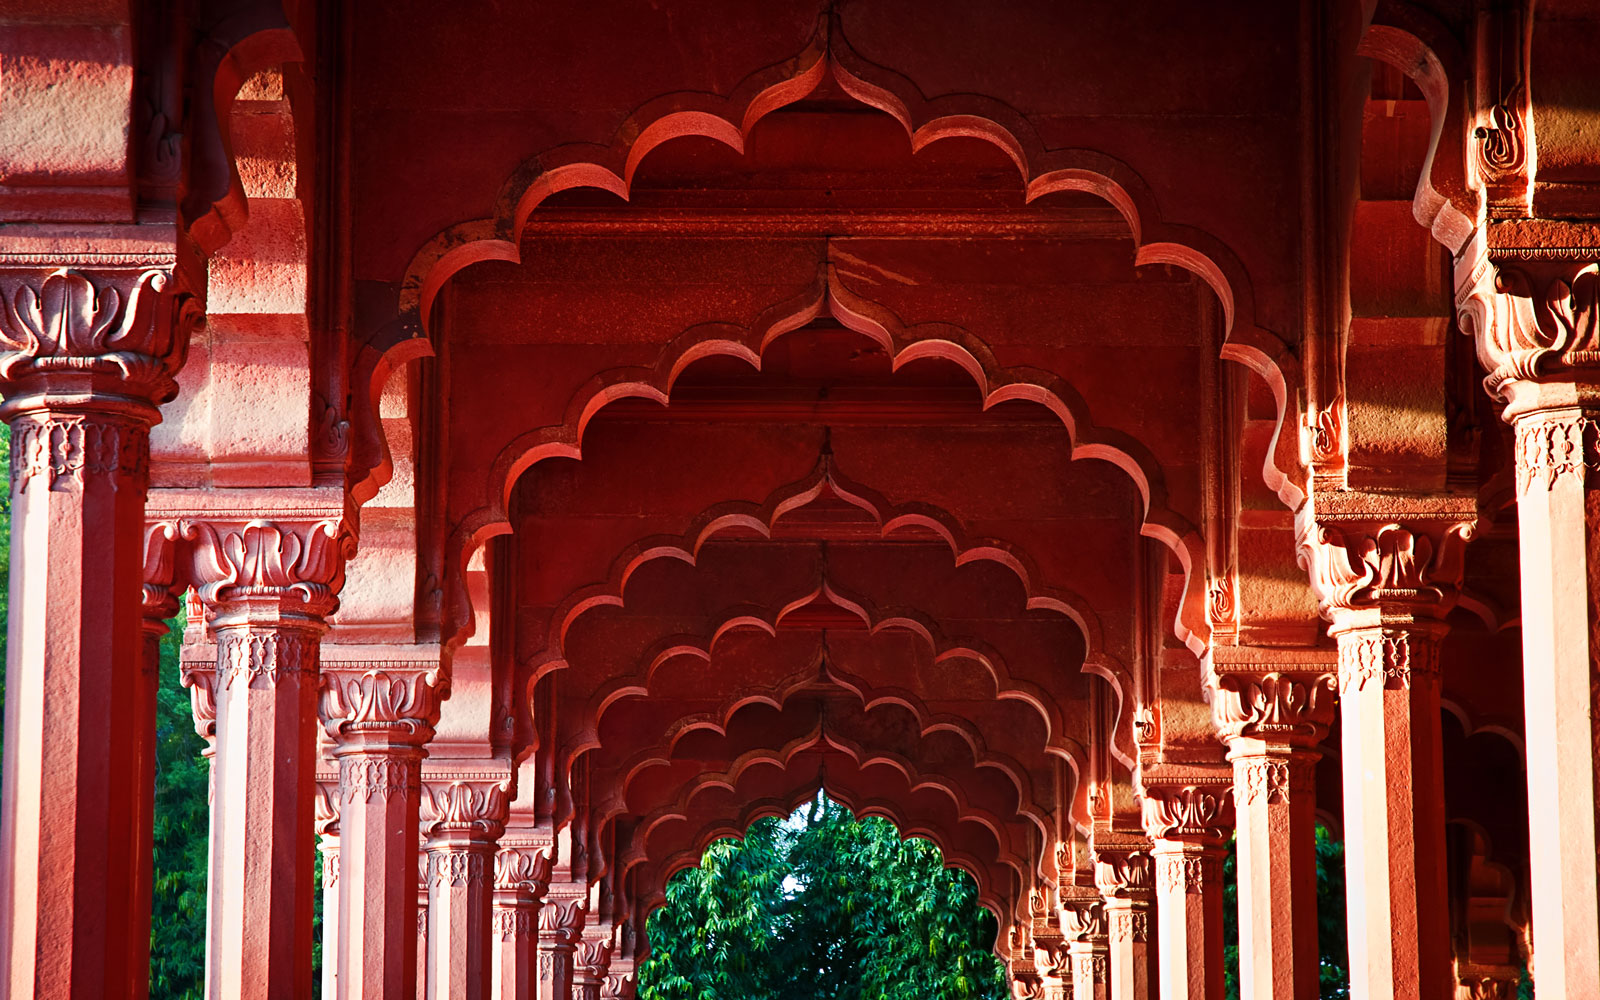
(904, 345)
(761, 518)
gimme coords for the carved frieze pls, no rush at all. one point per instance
(1268, 781)
(263, 659)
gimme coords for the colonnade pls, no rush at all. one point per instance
(95, 574)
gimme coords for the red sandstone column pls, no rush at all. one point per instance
(422, 926)
(1052, 960)
(1188, 824)
(1536, 320)
(560, 922)
(86, 353)
(379, 718)
(591, 960)
(1083, 922)
(1123, 876)
(521, 876)
(464, 819)
(1270, 722)
(270, 587)
(1386, 587)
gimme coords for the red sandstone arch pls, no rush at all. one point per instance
(761, 520)
(720, 725)
(904, 346)
(1413, 41)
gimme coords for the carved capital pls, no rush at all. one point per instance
(1122, 872)
(1291, 707)
(161, 590)
(523, 869)
(302, 561)
(327, 810)
(1503, 139)
(623, 987)
(201, 680)
(1534, 314)
(1360, 562)
(1052, 959)
(396, 702)
(1189, 811)
(561, 921)
(123, 323)
(591, 958)
(1026, 986)
(474, 807)
(1083, 920)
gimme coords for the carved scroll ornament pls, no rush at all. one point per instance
(1288, 706)
(393, 700)
(1188, 811)
(465, 806)
(305, 559)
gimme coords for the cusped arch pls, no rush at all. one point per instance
(891, 519)
(903, 345)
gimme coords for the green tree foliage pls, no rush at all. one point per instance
(182, 816)
(1331, 944)
(822, 906)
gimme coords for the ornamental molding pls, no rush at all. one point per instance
(397, 701)
(116, 316)
(73, 452)
(261, 660)
(365, 777)
(303, 560)
(1391, 659)
(1294, 707)
(1188, 811)
(456, 869)
(476, 807)
(523, 869)
(1130, 926)
(1556, 449)
(200, 677)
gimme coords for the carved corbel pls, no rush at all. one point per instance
(523, 869)
(561, 920)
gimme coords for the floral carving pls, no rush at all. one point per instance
(1550, 449)
(561, 920)
(592, 958)
(475, 807)
(262, 659)
(1184, 873)
(1532, 317)
(1188, 811)
(1326, 437)
(305, 559)
(330, 868)
(527, 869)
(201, 680)
(1487, 988)
(160, 600)
(1091, 969)
(1287, 706)
(1120, 872)
(1270, 782)
(512, 923)
(398, 700)
(1130, 925)
(1026, 988)
(1051, 957)
(1393, 659)
(72, 452)
(1084, 920)
(1418, 565)
(364, 777)
(128, 322)
(456, 868)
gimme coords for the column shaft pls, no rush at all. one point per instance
(1189, 919)
(1128, 949)
(328, 847)
(1277, 866)
(1558, 521)
(1090, 969)
(74, 891)
(1394, 812)
(521, 875)
(560, 923)
(464, 823)
(264, 807)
